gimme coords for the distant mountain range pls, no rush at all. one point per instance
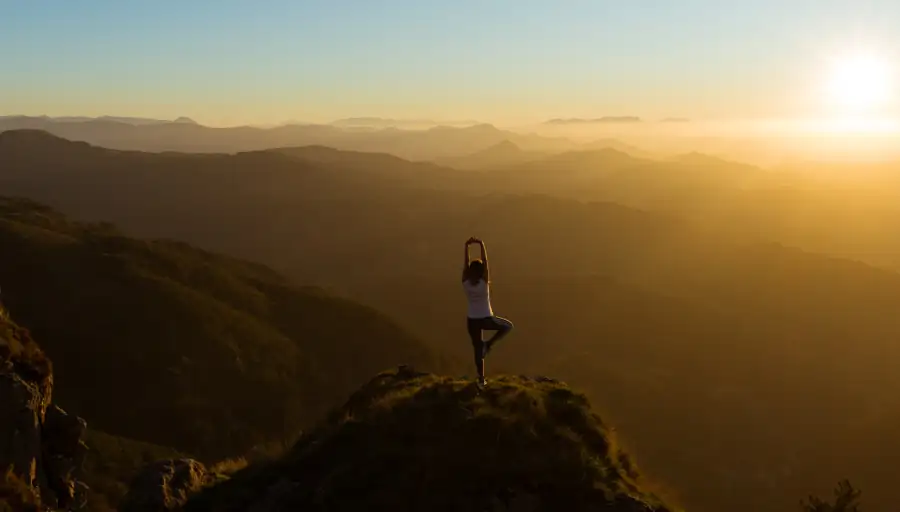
(598, 120)
(184, 135)
(609, 120)
(474, 146)
(136, 121)
(380, 122)
(501, 154)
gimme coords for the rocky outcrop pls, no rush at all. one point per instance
(40, 444)
(165, 486)
(416, 441)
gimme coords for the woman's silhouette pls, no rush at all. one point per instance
(476, 281)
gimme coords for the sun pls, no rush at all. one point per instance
(859, 83)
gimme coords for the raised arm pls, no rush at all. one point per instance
(465, 267)
(484, 258)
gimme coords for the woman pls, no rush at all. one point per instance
(476, 280)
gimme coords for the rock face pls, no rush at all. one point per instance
(165, 485)
(415, 441)
(40, 445)
(64, 451)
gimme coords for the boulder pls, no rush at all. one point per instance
(165, 485)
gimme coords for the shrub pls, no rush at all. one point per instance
(846, 499)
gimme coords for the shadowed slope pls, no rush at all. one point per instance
(161, 342)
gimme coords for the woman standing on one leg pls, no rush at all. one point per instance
(476, 280)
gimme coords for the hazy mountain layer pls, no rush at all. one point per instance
(744, 349)
(161, 342)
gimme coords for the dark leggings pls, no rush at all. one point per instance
(480, 347)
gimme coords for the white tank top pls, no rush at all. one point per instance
(479, 295)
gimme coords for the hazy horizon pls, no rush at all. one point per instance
(571, 127)
(766, 143)
(510, 64)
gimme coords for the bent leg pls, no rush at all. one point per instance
(502, 326)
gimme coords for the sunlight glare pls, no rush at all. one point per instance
(859, 83)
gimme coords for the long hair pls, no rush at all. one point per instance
(475, 271)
